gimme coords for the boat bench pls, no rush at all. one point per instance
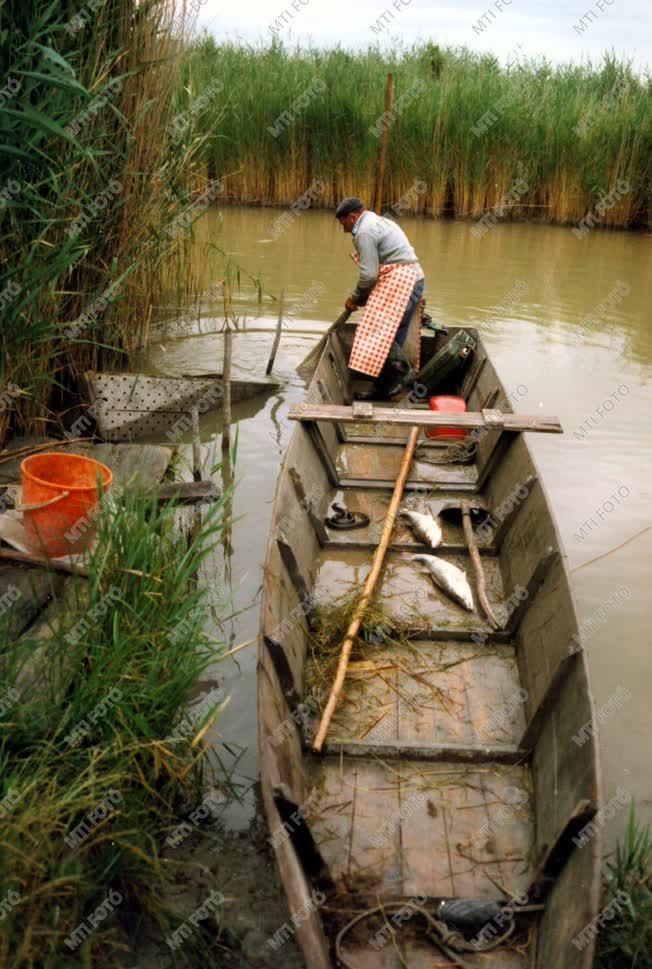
(368, 413)
(489, 427)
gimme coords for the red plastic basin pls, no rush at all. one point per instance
(449, 405)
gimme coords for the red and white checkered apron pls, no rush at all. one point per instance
(382, 316)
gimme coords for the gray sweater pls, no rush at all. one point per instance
(379, 241)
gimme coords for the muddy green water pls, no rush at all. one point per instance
(529, 288)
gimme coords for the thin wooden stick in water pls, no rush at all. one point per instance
(226, 380)
(277, 338)
(477, 564)
(367, 592)
(196, 445)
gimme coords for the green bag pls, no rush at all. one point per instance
(446, 361)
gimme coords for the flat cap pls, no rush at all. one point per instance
(346, 206)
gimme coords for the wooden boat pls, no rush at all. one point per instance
(129, 406)
(461, 764)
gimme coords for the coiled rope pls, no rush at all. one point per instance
(449, 941)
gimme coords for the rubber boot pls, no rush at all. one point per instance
(396, 372)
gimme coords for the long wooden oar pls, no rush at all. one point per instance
(365, 598)
(307, 366)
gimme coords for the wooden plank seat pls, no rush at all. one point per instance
(471, 420)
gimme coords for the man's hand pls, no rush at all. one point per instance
(350, 305)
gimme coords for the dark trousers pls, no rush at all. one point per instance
(417, 293)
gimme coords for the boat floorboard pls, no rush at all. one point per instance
(375, 502)
(431, 693)
(364, 462)
(409, 827)
(408, 594)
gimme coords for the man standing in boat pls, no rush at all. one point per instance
(390, 286)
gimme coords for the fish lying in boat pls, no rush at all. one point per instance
(449, 578)
(424, 527)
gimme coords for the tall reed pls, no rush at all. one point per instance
(94, 175)
(569, 132)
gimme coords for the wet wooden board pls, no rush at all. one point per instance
(375, 503)
(431, 693)
(470, 420)
(360, 464)
(375, 818)
(407, 591)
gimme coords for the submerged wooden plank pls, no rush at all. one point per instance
(144, 464)
(469, 420)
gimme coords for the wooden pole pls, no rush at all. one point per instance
(196, 445)
(227, 474)
(477, 564)
(380, 178)
(367, 592)
(307, 366)
(226, 380)
(277, 338)
(62, 565)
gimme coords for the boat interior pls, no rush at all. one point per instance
(458, 767)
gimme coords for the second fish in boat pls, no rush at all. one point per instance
(424, 527)
(449, 578)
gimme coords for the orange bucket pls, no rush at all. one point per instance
(60, 501)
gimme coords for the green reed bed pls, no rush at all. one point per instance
(94, 177)
(86, 722)
(445, 92)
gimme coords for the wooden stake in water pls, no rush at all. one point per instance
(226, 381)
(227, 474)
(277, 338)
(196, 445)
(380, 178)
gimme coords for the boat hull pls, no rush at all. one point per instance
(461, 761)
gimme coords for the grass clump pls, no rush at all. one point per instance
(93, 774)
(329, 625)
(625, 942)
